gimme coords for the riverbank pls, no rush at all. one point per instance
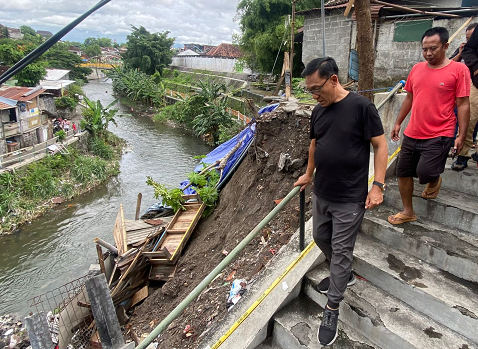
(253, 191)
(36, 189)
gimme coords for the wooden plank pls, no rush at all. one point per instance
(349, 7)
(175, 231)
(162, 272)
(190, 230)
(118, 232)
(139, 296)
(155, 254)
(123, 230)
(458, 31)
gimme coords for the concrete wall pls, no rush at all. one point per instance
(338, 31)
(388, 114)
(393, 60)
(227, 65)
(47, 102)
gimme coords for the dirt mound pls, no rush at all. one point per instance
(275, 160)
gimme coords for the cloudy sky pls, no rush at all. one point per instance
(189, 21)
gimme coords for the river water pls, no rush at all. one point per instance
(59, 247)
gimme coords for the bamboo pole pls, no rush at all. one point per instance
(458, 31)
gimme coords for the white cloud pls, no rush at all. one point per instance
(200, 21)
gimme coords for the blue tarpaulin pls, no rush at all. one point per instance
(247, 135)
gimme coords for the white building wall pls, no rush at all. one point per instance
(227, 65)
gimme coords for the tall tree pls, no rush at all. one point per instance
(365, 46)
(32, 74)
(59, 57)
(148, 52)
(262, 23)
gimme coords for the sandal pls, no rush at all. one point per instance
(401, 218)
(432, 193)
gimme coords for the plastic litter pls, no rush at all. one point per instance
(238, 288)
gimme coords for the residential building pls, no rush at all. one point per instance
(75, 50)
(23, 123)
(45, 34)
(396, 34)
(15, 33)
(223, 58)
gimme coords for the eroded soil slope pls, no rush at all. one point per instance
(243, 203)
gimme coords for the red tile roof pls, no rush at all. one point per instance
(18, 93)
(226, 50)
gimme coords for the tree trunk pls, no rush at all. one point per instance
(365, 46)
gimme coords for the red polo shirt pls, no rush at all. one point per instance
(434, 93)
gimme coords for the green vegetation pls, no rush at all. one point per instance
(27, 193)
(263, 32)
(148, 52)
(138, 86)
(203, 183)
(61, 135)
(96, 118)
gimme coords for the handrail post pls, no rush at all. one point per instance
(302, 221)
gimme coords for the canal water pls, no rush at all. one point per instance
(59, 247)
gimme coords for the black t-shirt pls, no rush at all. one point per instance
(342, 132)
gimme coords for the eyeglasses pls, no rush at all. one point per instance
(317, 90)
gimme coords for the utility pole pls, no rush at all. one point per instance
(365, 46)
(292, 39)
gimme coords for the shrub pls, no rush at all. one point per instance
(99, 147)
(66, 102)
(61, 135)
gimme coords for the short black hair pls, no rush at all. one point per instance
(326, 67)
(471, 26)
(442, 33)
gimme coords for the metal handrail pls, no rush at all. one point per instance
(217, 270)
(225, 262)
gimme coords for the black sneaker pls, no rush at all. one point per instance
(474, 156)
(328, 328)
(461, 163)
(324, 284)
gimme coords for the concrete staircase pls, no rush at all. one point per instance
(417, 284)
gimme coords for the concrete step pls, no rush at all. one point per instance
(450, 208)
(465, 181)
(448, 249)
(269, 344)
(448, 300)
(296, 326)
(384, 320)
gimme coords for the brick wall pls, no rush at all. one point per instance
(338, 31)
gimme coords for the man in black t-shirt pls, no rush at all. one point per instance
(342, 127)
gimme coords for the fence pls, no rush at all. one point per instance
(24, 156)
(68, 315)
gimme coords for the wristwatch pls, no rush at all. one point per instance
(380, 185)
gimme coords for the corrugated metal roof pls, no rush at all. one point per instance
(10, 102)
(55, 74)
(55, 85)
(4, 106)
(374, 11)
(21, 93)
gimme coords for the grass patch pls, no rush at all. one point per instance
(27, 193)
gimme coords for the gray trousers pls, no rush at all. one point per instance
(336, 225)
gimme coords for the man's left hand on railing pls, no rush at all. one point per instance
(374, 198)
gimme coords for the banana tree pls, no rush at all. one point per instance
(97, 118)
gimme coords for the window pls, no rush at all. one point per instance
(411, 30)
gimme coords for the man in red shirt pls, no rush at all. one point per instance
(433, 87)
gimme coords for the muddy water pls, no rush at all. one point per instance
(58, 247)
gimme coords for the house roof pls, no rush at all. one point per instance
(56, 84)
(44, 33)
(188, 53)
(55, 74)
(21, 94)
(7, 103)
(226, 50)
